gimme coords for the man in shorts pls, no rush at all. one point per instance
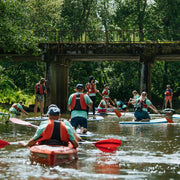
(77, 104)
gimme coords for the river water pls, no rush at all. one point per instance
(146, 152)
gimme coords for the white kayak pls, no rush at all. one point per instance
(152, 121)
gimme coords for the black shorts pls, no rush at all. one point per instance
(79, 121)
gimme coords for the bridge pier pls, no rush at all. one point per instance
(147, 60)
(57, 72)
(145, 79)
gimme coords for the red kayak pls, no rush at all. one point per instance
(52, 155)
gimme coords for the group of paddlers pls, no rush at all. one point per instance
(79, 103)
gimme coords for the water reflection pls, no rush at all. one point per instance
(107, 164)
(146, 152)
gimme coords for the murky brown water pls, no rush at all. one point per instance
(147, 152)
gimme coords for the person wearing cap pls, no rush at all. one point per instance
(120, 105)
(77, 104)
(53, 131)
(91, 91)
(168, 96)
(67, 123)
(40, 90)
(17, 108)
(141, 110)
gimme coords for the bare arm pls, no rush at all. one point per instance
(75, 143)
(31, 142)
(24, 111)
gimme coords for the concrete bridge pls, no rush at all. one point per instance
(58, 56)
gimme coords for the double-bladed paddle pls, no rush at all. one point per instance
(106, 145)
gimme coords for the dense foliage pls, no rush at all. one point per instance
(25, 22)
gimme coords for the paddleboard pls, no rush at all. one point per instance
(86, 135)
(176, 116)
(3, 113)
(152, 121)
(98, 118)
(36, 118)
(168, 109)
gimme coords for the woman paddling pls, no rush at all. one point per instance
(141, 110)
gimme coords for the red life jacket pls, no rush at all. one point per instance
(91, 88)
(101, 105)
(105, 92)
(78, 102)
(39, 89)
(55, 130)
(168, 93)
(15, 106)
(141, 104)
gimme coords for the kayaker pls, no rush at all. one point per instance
(17, 108)
(91, 91)
(142, 104)
(120, 105)
(40, 90)
(168, 96)
(77, 104)
(52, 131)
(67, 123)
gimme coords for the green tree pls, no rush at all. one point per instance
(14, 36)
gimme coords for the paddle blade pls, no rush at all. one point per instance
(108, 145)
(3, 143)
(19, 121)
(169, 120)
(117, 112)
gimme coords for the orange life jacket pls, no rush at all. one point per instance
(39, 89)
(55, 130)
(91, 88)
(15, 106)
(78, 102)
